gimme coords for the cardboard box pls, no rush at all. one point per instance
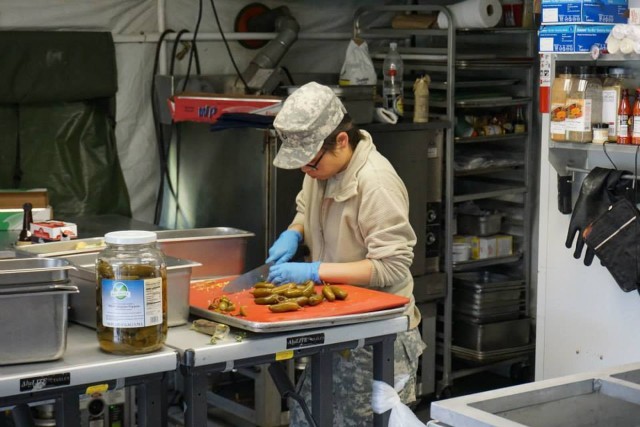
(14, 199)
(52, 231)
(584, 11)
(504, 245)
(573, 38)
(11, 219)
(207, 107)
(483, 247)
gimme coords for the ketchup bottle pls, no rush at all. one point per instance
(635, 123)
(624, 119)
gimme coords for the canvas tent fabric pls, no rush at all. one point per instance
(58, 116)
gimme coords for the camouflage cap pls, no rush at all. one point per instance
(306, 119)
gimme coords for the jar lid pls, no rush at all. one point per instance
(601, 125)
(130, 237)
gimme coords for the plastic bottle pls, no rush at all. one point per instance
(131, 293)
(559, 90)
(520, 125)
(421, 97)
(623, 132)
(392, 86)
(611, 91)
(584, 105)
(635, 124)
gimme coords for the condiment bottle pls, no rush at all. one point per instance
(25, 234)
(635, 123)
(520, 125)
(131, 293)
(421, 99)
(611, 92)
(584, 106)
(559, 90)
(624, 117)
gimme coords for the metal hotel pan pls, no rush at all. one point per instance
(83, 305)
(33, 270)
(35, 326)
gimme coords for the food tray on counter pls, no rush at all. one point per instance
(362, 305)
(19, 271)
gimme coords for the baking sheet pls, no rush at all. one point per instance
(361, 305)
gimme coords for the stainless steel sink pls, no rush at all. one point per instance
(610, 398)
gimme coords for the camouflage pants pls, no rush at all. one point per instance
(352, 375)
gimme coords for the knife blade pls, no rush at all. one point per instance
(248, 279)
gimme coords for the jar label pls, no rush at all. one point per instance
(578, 115)
(131, 303)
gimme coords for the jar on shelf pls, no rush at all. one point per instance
(560, 89)
(584, 105)
(612, 87)
(131, 293)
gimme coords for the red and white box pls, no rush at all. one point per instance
(52, 231)
(207, 107)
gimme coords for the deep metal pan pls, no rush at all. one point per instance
(33, 270)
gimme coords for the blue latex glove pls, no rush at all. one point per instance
(297, 272)
(285, 247)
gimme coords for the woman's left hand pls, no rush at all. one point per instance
(297, 272)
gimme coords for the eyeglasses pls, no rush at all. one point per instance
(314, 165)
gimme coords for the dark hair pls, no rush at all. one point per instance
(346, 125)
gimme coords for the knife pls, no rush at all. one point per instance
(248, 279)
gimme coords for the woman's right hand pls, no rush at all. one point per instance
(285, 247)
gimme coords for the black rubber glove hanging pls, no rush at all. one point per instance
(600, 189)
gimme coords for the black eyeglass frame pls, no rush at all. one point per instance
(315, 164)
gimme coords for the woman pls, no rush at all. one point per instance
(353, 214)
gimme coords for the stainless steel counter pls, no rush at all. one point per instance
(609, 397)
(84, 365)
(198, 357)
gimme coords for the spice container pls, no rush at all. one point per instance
(131, 293)
(600, 133)
(584, 106)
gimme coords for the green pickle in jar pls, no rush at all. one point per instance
(131, 295)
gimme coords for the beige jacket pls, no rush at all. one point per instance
(363, 213)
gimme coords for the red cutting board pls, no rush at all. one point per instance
(359, 300)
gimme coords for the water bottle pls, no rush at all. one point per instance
(392, 88)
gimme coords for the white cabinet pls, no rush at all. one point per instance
(584, 320)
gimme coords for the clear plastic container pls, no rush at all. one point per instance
(559, 90)
(392, 84)
(611, 90)
(131, 293)
(584, 105)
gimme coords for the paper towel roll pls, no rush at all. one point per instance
(473, 14)
(613, 44)
(634, 33)
(636, 47)
(626, 46)
(620, 31)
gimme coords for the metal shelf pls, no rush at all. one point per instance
(611, 148)
(491, 138)
(485, 171)
(489, 194)
(483, 263)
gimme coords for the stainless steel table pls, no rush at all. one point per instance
(198, 357)
(84, 365)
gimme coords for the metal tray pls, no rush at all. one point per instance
(281, 326)
(83, 305)
(485, 281)
(492, 336)
(220, 250)
(479, 225)
(33, 270)
(55, 249)
(493, 355)
(514, 294)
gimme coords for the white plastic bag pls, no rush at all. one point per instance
(384, 398)
(358, 67)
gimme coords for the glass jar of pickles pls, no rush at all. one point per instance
(131, 293)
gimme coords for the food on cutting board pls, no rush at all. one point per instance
(279, 298)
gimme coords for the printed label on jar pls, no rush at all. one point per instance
(131, 303)
(578, 115)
